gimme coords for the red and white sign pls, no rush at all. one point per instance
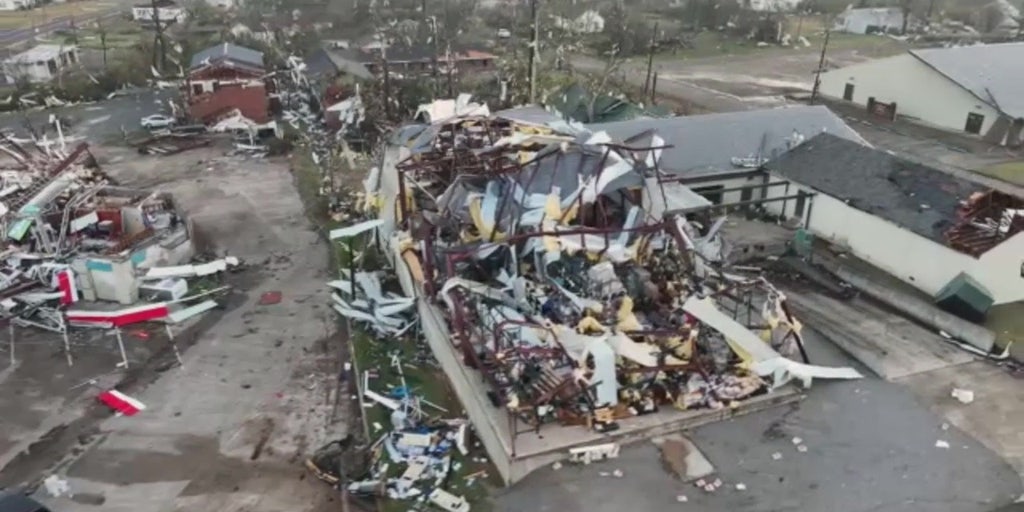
(119, 317)
(121, 402)
(67, 287)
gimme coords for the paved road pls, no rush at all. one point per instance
(15, 36)
(871, 448)
(96, 122)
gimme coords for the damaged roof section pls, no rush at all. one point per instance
(568, 276)
(938, 206)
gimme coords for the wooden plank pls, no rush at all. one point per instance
(890, 345)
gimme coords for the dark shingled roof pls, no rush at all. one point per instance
(233, 52)
(916, 197)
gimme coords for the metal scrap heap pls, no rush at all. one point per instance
(586, 285)
(71, 235)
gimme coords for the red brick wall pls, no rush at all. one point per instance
(251, 101)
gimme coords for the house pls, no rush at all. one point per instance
(925, 227)
(970, 89)
(227, 80)
(17, 5)
(167, 11)
(868, 20)
(327, 63)
(41, 63)
(717, 154)
(590, 22)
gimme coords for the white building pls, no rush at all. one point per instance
(40, 64)
(970, 89)
(14, 5)
(870, 20)
(918, 224)
(168, 11)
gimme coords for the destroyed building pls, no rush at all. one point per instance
(572, 291)
(81, 251)
(227, 81)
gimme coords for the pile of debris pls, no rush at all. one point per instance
(72, 235)
(586, 285)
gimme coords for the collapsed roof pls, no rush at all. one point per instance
(566, 275)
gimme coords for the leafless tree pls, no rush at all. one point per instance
(906, 6)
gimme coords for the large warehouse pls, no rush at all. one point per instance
(929, 229)
(971, 89)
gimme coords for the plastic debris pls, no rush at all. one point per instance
(776, 456)
(941, 444)
(741, 487)
(681, 498)
(965, 396)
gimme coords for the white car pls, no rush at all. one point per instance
(157, 122)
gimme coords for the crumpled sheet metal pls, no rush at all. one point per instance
(760, 356)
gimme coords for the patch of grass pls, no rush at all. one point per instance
(716, 44)
(49, 12)
(429, 382)
(1010, 172)
(422, 377)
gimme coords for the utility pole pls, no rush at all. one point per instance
(650, 59)
(821, 65)
(159, 59)
(451, 69)
(534, 14)
(387, 77)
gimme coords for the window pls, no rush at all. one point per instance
(974, 122)
(197, 88)
(848, 92)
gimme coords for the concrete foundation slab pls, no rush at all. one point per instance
(515, 456)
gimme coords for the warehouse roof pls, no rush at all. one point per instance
(916, 197)
(991, 72)
(228, 51)
(707, 144)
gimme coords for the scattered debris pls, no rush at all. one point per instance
(588, 454)
(270, 298)
(776, 456)
(741, 487)
(121, 402)
(941, 444)
(681, 498)
(681, 458)
(965, 396)
(56, 486)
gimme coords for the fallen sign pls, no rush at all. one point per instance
(121, 402)
(203, 269)
(588, 454)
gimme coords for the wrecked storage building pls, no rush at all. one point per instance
(570, 292)
(73, 235)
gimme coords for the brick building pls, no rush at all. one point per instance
(224, 79)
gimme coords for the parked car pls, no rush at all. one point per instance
(157, 122)
(10, 502)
